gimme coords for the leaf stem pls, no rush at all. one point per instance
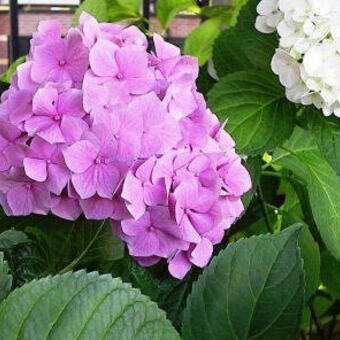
(78, 259)
(264, 209)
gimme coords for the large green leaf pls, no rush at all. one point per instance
(168, 9)
(300, 155)
(311, 261)
(5, 278)
(259, 116)
(243, 47)
(200, 41)
(82, 306)
(326, 131)
(330, 273)
(310, 252)
(252, 290)
(97, 8)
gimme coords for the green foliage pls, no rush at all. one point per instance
(326, 131)
(5, 278)
(11, 238)
(311, 261)
(300, 155)
(123, 9)
(6, 77)
(330, 274)
(97, 8)
(168, 9)
(254, 104)
(109, 10)
(253, 289)
(83, 306)
(200, 41)
(242, 47)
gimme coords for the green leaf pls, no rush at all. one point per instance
(259, 115)
(97, 8)
(11, 238)
(330, 273)
(6, 77)
(82, 306)
(326, 132)
(200, 41)
(254, 289)
(168, 9)
(242, 47)
(5, 278)
(223, 12)
(311, 261)
(300, 155)
(123, 9)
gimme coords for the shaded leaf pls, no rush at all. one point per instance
(330, 273)
(11, 238)
(242, 47)
(326, 131)
(82, 306)
(5, 278)
(300, 155)
(259, 116)
(253, 290)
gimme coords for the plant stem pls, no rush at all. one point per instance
(316, 321)
(78, 259)
(264, 209)
(271, 174)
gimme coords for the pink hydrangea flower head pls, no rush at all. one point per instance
(96, 124)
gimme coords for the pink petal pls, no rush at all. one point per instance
(102, 58)
(179, 265)
(35, 169)
(58, 177)
(132, 61)
(52, 134)
(133, 194)
(165, 50)
(107, 180)
(202, 253)
(80, 156)
(37, 123)
(67, 208)
(85, 183)
(71, 103)
(97, 208)
(21, 200)
(45, 101)
(145, 244)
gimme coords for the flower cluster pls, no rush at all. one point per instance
(94, 123)
(308, 58)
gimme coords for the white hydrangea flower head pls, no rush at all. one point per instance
(308, 58)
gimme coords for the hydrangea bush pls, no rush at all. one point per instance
(94, 123)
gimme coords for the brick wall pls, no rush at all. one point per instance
(28, 22)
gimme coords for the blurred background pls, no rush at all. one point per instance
(26, 15)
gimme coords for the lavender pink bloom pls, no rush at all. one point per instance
(95, 124)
